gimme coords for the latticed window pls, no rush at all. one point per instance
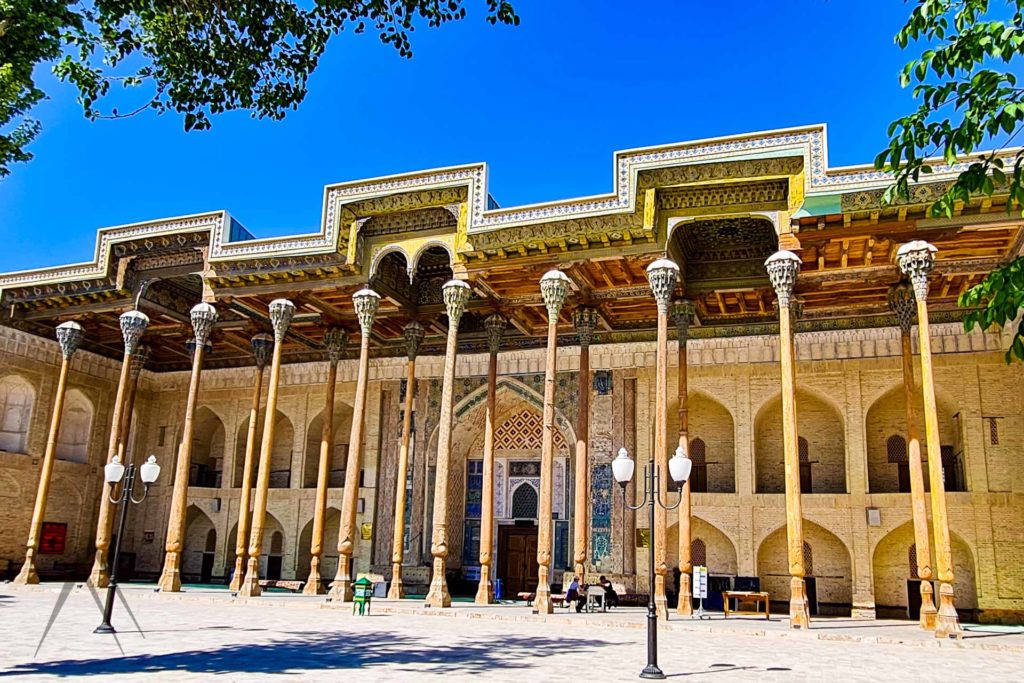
(912, 558)
(896, 449)
(698, 553)
(808, 559)
(806, 482)
(474, 488)
(803, 449)
(524, 502)
(699, 475)
(993, 431)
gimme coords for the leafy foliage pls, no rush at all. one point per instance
(196, 58)
(966, 84)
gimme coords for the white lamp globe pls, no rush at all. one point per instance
(149, 470)
(622, 467)
(679, 466)
(113, 471)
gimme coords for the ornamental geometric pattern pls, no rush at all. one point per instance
(896, 450)
(524, 431)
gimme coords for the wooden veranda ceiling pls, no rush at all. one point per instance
(848, 266)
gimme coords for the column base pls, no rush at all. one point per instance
(238, 575)
(250, 587)
(397, 590)
(99, 577)
(341, 587)
(660, 599)
(542, 598)
(438, 595)
(685, 606)
(947, 621)
(28, 575)
(799, 614)
(170, 578)
(314, 586)
(928, 611)
(484, 590)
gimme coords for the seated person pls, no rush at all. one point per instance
(611, 598)
(574, 594)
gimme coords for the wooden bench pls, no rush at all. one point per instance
(557, 599)
(749, 597)
(293, 586)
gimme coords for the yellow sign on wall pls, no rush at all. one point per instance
(366, 531)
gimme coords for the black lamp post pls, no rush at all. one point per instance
(113, 473)
(679, 469)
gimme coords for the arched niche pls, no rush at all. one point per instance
(276, 550)
(75, 428)
(831, 569)
(887, 466)
(820, 424)
(197, 557)
(342, 427)
(17, 400)
(281, 450)
(329, 549)
(895, 573)
(207, 462)
(710, 424)
(719, 550)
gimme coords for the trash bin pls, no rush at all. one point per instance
(362, 593)
(497, 590)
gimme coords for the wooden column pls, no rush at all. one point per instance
(335, 340)
(262, 345)
(69, 336)
(366, 302)
(901, 300)
(495, 326)
(683, 313)
(553, 287)
(133, 324)
(203, 317)
(456, 296)
(783, 267)
(916, 259)
(127, 413)
(584, 320)
(662, 275)
(414, 333)
(281, 311)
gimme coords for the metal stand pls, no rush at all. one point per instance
(700, 614)
(124, 499)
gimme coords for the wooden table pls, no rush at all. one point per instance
(757, 598)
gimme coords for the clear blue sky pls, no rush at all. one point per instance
(545, 104)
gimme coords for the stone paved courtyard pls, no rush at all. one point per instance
(201, 635)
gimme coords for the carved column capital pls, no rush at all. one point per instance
(901, 301)
(584, 319)
(139, 358)
(133, 324)
(414, 334)
(783, 267)
(192, 344)
(69, 336)
(335, 341)
(203, 316)
(684, 312)
(281, 311)
(456, 296)
(495, 326)
(262, 346)
(554, 286)
(916, 260)
(663, 275)
(366, 302)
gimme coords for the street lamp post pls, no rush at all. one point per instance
(113, 473)
(679, 469)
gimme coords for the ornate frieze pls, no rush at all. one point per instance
(765, 195)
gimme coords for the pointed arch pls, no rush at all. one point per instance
(198, 527)
(831, 568)
(281, 452)
(17, 401)
(342, 427)
(710, 423)
(329, 551)
(720, 555)
(208, 440)
(821, 428)
(75, 427)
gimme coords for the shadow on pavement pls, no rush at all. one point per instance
(317, 651)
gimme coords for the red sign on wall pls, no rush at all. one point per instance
(53, 537)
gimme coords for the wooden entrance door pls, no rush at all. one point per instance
(517, 559)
